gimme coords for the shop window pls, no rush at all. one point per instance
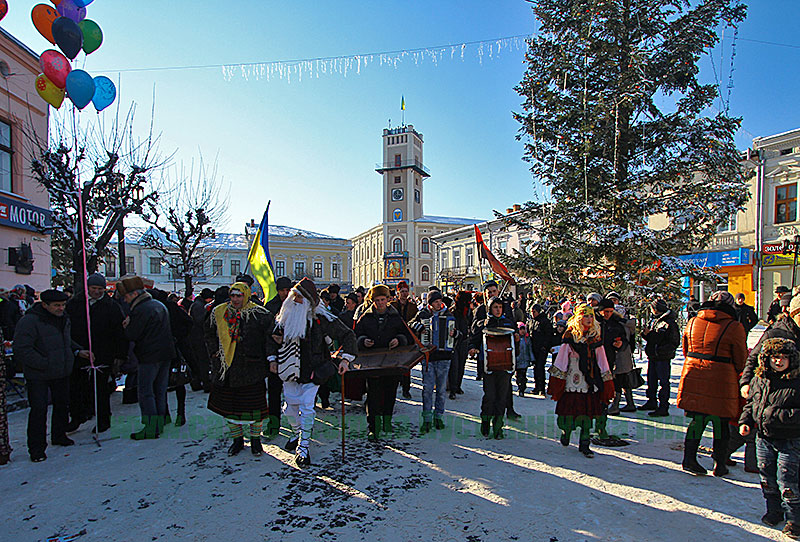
(786, 203)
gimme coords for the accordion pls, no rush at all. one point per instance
(437, 331)
(499, 351)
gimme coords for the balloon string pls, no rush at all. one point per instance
(82, 223)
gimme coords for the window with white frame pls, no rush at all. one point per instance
(5, 156)
(280, 268)
(426, 246)
(155, 266)
(317, 270)
(236, 267)
(728, 225)
(335, 271)
(216, 267)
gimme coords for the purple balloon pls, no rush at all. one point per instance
(70, 10)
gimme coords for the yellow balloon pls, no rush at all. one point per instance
(49, 91)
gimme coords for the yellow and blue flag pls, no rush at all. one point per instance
(402, 103)
(260, 262)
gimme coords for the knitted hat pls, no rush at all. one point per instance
(723, 297)
(283, 283)
(659, 305)
(378, 290)
(433, 296)
(247, 279)
(613, 295)
(536, 307)
(96, 279)
(594, 296)
(488, 284)
(130, 284)
(309, 290)
(53, 296)
(402, 285)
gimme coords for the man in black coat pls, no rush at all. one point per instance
(108, 344)
(541, 332)
(149, 329)
(745, 313)
(198, 313)
(274, 384)
(775, 307)
(663, 338)
(43, 343)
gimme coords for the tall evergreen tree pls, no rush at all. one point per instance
(619, 127)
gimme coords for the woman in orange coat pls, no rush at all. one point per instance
(715, 350)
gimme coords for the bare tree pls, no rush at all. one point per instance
(104, 171)
(185, 217)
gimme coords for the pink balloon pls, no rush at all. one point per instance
(55, 66)
(68, 9)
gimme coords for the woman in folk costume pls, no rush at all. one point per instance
(238, 338)
(580, 378)
(304, 329)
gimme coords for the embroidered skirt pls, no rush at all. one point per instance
(245, 403)
(579, 404)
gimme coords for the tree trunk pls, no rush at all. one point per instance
(187, 282)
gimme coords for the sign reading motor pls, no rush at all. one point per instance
(22, 216)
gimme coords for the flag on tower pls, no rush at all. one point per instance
(402, 103)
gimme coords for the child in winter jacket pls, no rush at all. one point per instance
(773, 410)
(524, 358)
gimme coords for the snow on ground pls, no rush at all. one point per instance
(450, 485)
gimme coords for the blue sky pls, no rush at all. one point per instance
(311, 146)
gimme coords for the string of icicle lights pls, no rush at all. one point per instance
(297, 69)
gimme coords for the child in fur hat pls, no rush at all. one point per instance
(773, 409)
(581, 382)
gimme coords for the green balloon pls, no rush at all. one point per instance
(92, 35)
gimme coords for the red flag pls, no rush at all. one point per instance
(496, 265)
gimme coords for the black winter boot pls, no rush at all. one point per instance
(651, 404)
(237, 446)
(485, 425)
(255, 446)
(690, 463)
(720, 454)
(583, 447)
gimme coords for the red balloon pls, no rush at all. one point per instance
(43, 17)
(3, 9)
(55, 66)
(56, 2)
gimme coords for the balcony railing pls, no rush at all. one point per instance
(395, 164)
(461, 271)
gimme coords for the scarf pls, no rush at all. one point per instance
(229, 325)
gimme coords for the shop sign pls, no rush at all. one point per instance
(23, 216)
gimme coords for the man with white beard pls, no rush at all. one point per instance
(304, 330)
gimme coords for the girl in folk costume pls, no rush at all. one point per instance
(239, 337)
(580, 379)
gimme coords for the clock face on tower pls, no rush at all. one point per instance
(397, 194)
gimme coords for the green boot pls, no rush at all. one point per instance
(600, 426)
(497, 423)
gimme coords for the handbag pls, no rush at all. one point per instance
(635, 379)
(179, 372)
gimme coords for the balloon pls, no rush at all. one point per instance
(68, 9)
(79, 3)
(68, 36)
(49, 91)
(105, 92)
(80, 87)
(56, 2)
(92, 35)
(55, 66)
(43, 17)
(3, 9)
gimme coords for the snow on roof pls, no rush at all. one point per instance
(448, 220)
(231, 241)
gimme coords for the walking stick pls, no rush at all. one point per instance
(343, 426)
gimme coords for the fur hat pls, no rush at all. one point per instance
(378, 290)
(402, 285)
(309, 290)
(53, 296)
(778, 347)
(130, 284)
(96, 279)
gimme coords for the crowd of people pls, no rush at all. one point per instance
(261, 362)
